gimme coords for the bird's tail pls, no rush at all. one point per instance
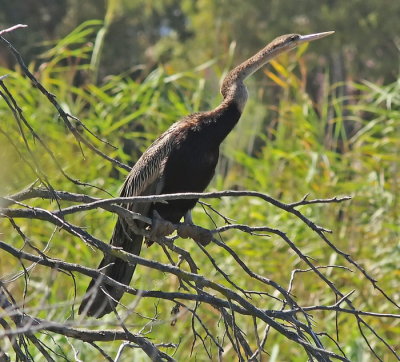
(100, 298)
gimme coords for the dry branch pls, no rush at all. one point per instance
(234, 303)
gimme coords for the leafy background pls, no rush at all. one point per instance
(322, 120)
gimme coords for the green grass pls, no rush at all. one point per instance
(288, 149)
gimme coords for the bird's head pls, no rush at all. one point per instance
(232, 85)
(286, 42)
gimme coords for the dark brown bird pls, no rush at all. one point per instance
(182, 159)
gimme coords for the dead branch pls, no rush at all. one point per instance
(198, 293)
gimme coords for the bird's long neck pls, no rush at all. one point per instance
(227, 114)
(233, 88)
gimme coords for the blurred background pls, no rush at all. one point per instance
(187, 33)
(322, 120)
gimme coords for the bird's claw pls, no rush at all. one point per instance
(197, 233)
(159, 228)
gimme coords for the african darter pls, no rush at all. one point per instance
(182, 159)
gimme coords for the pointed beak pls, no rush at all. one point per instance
(312, 37)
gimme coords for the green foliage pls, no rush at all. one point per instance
(186, 32)
(291, 148)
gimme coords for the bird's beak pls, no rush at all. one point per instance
(311, 37)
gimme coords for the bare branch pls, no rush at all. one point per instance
(64, 116)
(245, 321)
(12, 28)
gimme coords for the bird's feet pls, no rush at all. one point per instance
(159, 228)
(188, 230)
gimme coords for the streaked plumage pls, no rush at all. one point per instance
(183, 159)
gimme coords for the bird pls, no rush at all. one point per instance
(182, 159)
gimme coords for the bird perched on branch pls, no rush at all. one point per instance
(182, 159)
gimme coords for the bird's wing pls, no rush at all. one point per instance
(147, 175)
(146, 178)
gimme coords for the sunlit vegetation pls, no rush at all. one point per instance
(291, 146)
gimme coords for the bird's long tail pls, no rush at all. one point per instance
(100, 298)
